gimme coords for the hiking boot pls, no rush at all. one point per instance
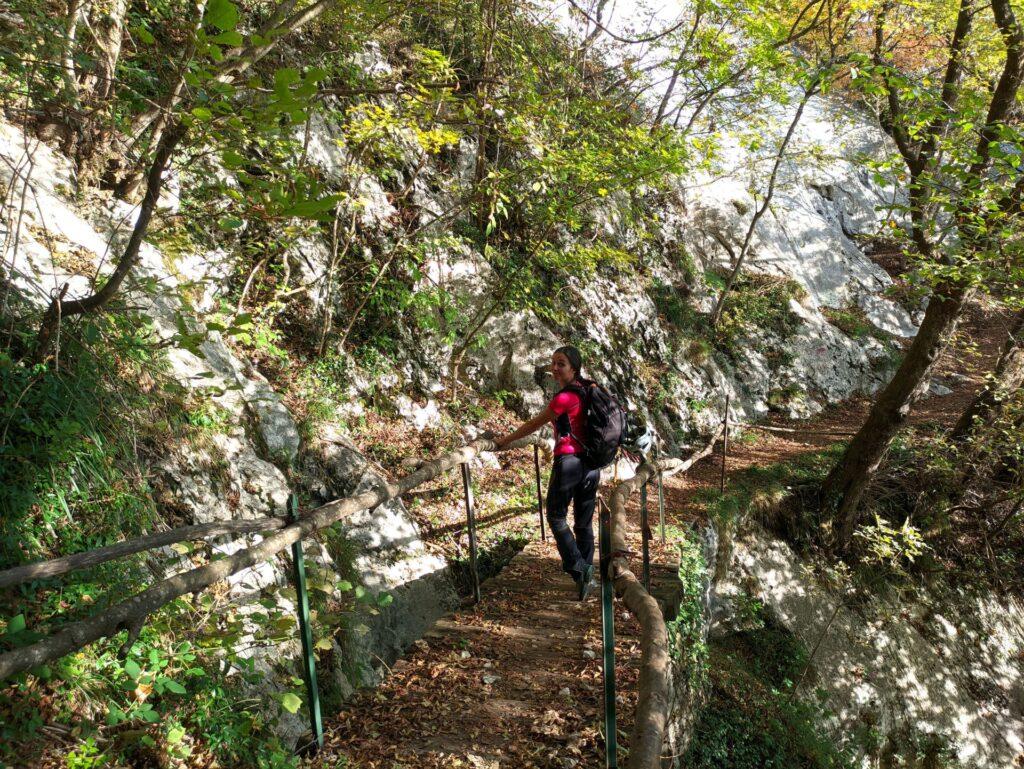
(586, 582)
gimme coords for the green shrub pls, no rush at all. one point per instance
(748, 725)
(758, 302)
(686, 630)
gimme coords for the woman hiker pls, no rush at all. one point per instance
(570, 479)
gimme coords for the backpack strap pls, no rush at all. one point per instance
(581, 389)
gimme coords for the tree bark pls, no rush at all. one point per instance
(108, 34)
(850, 477)
(67, 54)
(1007, 378)
(59, 566)
(130, 256)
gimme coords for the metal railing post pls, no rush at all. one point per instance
(305, 631)
(467, 485)
(540, 498)
(608, 638)
(661, 504)
(645, 533)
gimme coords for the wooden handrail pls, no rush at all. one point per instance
(58, 566)
(652, 708)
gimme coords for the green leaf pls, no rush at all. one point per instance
(131, 667)
(144, 35)
(222, 14)
(291, 702)
(324, 643)
(16, 624)
(174, 686)
(230, 37)
(233, 159)
(202, 114)
(310, 208)
(175, 735)
(284, 77)
(43, 672)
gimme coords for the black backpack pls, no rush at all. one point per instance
(605, 420)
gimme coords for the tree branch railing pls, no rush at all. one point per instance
(131, 613)
(68, 563)
(652, 708)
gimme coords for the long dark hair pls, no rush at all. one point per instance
(572, 354)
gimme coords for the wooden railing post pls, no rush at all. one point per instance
(661, 504)
(645, 535)
(725, 442)
(306, 632)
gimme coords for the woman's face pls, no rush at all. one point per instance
(561, 370)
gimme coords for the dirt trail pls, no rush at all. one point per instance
(513, 682)
(962, 369)
(516, 680)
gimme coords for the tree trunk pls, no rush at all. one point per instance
(716, 313)
(489, 13)
(129, 257)
(67, 55)
(108, 33)
(1007, 378)
(128, 186)
(850, 477)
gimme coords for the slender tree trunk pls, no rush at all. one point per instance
(716, 314)
(1007, 378)
(850, 477)
(108, 34)
(159, 118)
(67, 55)
(489, 12)
(129, 257)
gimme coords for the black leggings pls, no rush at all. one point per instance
(571, 481)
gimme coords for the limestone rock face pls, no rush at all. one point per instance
(953, 672)
(221, 479)
(389, 557)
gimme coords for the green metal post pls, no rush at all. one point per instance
(608, 639)
(645, 534)
(661, 505)
(540, 498)
(306, 632)
(467, 485)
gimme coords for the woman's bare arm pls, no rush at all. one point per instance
(526, 428)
